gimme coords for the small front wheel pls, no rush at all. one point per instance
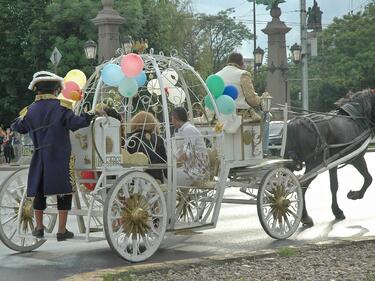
(280, 203)
(11, 193)
(135, 216)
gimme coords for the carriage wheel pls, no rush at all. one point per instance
(11, 194)
(135, 216)
(280, 203)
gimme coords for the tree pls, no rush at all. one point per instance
(270, 4)
(346, 58)
(214, 37)
(18, 57)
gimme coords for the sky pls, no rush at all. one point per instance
(290, 15)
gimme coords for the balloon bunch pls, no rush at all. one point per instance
(128, 76)
(169, 78)
(224, 95)
(74, 81)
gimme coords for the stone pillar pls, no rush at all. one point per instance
(277, 76)
(108, 21)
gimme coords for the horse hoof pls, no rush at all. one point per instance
(354, 195)
(307, 221)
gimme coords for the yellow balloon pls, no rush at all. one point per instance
(61, 97)
(77, 76)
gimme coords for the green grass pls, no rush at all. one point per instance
(108, 277)
(287, 252)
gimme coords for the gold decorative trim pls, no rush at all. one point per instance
(45, 97)
(72, 176)
(67, 104)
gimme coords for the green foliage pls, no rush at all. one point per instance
(29, 31)
(217, 36)
(287, 252)
(269, 3)
(345, 60)
(108, 277)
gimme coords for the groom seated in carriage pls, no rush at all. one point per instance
(248, 103)
(191, 151)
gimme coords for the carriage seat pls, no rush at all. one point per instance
(135, 159)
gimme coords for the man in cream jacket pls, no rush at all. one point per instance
(235, 74)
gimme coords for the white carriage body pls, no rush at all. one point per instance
(99, 142)
(129, 205)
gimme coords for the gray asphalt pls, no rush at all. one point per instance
(238, 229)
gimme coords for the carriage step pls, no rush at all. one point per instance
(96, 229)
(77, 238)
(75, 212)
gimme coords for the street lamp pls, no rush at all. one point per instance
(296, 53)
(266, 101)
(258, 56)
(296, 56)
(127, 44)
(90, 48)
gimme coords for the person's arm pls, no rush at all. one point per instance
(248, 90)
(74, 122)
(19, 125)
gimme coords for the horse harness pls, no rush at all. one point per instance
(322, 145)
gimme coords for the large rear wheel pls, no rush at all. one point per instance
(135, 216)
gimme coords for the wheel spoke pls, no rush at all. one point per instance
(136, 186)
(135, 246)
(8, 207)
(146, 242)
(153, 199)
(14, 217)
(12, 234)
(287, 221)
(126, 191)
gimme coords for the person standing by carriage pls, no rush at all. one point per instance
(8, 146)
(48, 122)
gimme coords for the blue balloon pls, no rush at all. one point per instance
(141, 79)
(128, 87)
(112, 75)
(231, 91)
(208, 103)
(225, 105)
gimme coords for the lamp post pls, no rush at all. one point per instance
(296, 58)
(90, 48)
(258, 57)
(127, 44)
(296, 53)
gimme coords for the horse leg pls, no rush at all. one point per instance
(306, 220)
(361, 166)
(339, 214)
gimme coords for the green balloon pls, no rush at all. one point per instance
(215, 84)
(208, 103)
(226, 105)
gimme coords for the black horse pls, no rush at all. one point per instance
(318, 139)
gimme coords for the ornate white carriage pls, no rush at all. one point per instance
(133, 209)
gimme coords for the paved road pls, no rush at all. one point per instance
(238, 229)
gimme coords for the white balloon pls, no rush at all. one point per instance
(170, 75)
(176, 95)
(153, 86)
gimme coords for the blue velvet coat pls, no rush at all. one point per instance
(48, 121)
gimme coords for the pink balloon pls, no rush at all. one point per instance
(132, 65)
(70, 90)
